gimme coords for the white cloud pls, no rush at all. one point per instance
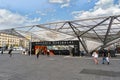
(59, 1)
(101, 8)
(89, 1)
(41, 13)
(34, 20)
(104, 4)
(56, 1)
(64, 3)
(10, 20)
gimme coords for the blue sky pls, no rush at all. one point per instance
(15, 13)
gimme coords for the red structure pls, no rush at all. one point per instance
(44, 49)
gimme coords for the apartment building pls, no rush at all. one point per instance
(11, 40)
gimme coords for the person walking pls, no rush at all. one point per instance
(10, 52)
(95, 56)
(48, 53)
(37, 53)
(1, 50)
(106, 56)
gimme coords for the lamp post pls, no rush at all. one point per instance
(30, 43)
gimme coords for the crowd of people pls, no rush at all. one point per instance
(9, 51)
(27, 52)
(105, 54)
(42, 52)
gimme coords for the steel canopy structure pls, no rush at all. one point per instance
(104, 30)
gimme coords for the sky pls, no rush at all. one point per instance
(18, 13)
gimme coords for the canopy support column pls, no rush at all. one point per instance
(78, 37)
(108, 30)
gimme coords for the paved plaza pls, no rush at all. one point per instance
(24, 67)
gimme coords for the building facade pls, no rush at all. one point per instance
(11, 40)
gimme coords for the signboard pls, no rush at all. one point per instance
(75, 43)
(48, 43)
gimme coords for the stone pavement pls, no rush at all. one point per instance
(24, 67)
